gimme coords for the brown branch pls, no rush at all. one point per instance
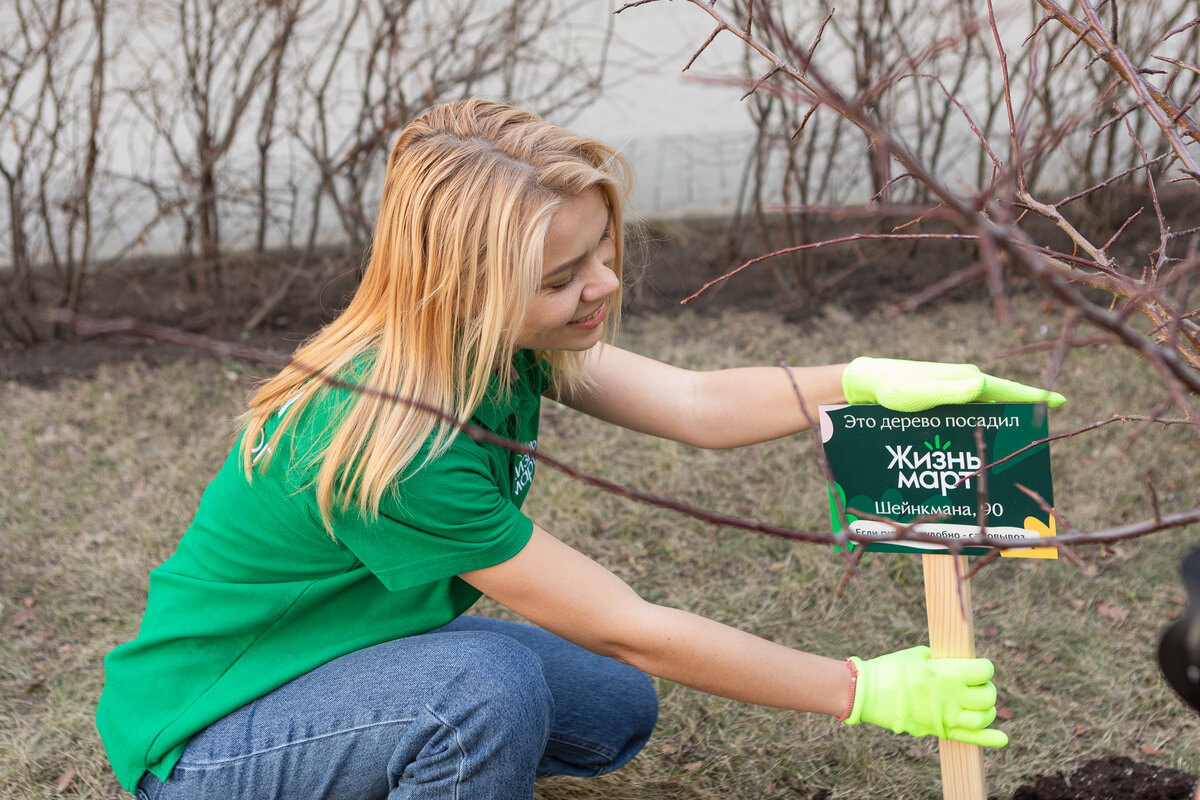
(703, 47)
(1091, 427)
(1180, 29)
(1105, 182)
(127, 326)
(228, 350)
(1178, 63)
(758, 84)
(1013, 130)
(990, 217)
(966, 115)
(808, 57)
(873, 210)
(1121, 229)
(840, 240)
(952, 281)
(1160, 107)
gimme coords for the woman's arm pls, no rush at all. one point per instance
(717, 409)
(734, 407)
(565, 592)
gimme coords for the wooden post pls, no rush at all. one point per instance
(952, 635)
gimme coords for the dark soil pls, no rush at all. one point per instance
(278, 300)
(679, 259)
(669, 264)
(158, 293)
(1117, 778)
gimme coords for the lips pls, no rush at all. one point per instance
(592, 318)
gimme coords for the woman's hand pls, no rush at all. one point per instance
(918, 385)
(909, 692)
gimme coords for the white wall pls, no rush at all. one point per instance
(687, 134)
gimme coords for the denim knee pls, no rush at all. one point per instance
(604, 711)
(489, 724)
(504, 680)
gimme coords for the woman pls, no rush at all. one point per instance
(308, 637)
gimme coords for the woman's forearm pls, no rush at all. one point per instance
(721, 660)
(736, 407)
(717, 409)
(565, 592)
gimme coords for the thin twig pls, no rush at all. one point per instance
(92, 326)
(825, 243)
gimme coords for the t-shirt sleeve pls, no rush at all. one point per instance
(449, 516)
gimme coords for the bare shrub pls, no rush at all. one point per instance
(52, 95)
(1073, 80)
(933, 72)
(392, 60)
(234, 126)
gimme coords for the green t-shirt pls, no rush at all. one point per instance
(257, 593)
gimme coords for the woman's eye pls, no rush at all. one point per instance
(558, 287)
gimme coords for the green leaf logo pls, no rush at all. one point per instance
(937, 444)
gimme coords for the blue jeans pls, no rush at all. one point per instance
(472, 711)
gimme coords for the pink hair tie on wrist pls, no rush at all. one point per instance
(853, 685)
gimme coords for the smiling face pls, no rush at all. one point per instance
(571, 303)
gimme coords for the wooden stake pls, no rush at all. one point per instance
(952, 635)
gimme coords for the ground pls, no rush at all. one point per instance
(1117, 778)
(683, 257)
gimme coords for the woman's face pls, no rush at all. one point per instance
(571, 303)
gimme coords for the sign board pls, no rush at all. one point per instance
(894, 467)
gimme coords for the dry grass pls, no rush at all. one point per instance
(100, 477)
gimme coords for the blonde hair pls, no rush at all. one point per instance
(468, 196)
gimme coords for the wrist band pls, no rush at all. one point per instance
(853, 685)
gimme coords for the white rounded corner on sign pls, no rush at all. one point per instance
(826, 422)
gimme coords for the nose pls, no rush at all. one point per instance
(601, 281)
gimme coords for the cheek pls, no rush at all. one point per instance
(568, 303)
(549, 312)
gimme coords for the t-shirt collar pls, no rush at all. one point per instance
(500, 402)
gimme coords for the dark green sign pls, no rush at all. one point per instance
(895, 468)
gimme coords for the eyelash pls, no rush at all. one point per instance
(560, 286)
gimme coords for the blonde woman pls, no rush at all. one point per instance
(308, 636)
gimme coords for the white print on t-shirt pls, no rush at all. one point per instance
(523, 470)
(260, 446)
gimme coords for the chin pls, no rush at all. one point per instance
(576, 343)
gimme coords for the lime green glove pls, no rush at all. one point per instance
(918, 385)
(909, 692)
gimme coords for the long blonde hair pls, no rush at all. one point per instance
(468, 196)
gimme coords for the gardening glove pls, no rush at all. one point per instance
(918, 385)
(909, 692)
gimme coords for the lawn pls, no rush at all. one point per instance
(100, 477)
